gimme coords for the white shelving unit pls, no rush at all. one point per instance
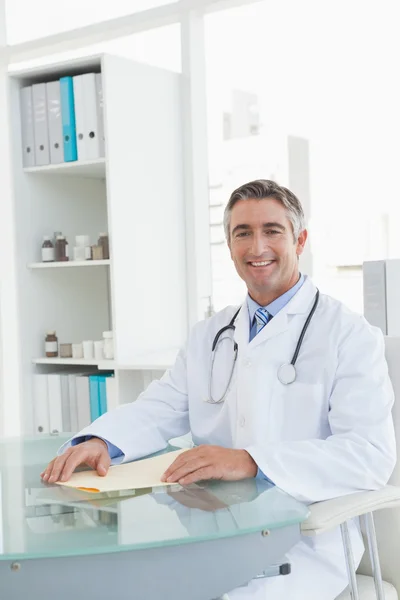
(75, 362)
(154, 361)
(69, 263)
(92, 169)
(136, 194)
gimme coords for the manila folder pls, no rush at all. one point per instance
(133, 475)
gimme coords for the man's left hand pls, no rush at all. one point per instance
(210, 462)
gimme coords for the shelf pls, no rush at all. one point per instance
(101, 364)
(92, 169)
(68, 263)
(157, 361)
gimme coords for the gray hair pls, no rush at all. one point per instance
(260, 190)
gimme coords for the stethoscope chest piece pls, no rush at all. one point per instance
(287, 374)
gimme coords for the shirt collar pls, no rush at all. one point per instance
(276, 305)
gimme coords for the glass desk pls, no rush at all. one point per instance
(175, 543)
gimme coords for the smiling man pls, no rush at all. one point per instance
(267, 238)
(324, 431)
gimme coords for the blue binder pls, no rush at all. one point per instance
(94, 397)
(103, 392)
(68, 119)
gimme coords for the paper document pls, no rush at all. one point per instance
(143, 473)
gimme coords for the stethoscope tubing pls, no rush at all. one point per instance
(235, 349)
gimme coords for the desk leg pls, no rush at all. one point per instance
(199, 571)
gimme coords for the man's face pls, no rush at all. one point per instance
(260, 231)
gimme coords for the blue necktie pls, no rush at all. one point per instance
(262, 317)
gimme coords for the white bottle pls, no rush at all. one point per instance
(108, 349)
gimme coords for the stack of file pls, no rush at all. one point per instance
(68, 402)
(63, 121)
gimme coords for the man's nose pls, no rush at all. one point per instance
(258, 245)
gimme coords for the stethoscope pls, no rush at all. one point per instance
(286, 373)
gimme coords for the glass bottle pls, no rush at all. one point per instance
(51, 344)
(61, 248)
(108, 348)
(47, 249)
(104, 243)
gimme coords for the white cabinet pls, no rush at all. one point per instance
(136, 195)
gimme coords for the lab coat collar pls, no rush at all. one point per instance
(302, 300)
(300, 303)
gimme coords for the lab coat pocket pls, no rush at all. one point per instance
(299, 411)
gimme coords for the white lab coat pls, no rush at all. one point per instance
(328, 434)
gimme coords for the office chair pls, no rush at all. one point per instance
(378, 576)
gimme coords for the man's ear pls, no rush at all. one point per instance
(301, 241)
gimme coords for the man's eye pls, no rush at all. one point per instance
(272, 231)
(242, 234)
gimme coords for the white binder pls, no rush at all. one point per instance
(111, 390)
(28, 139)
(65, 410)
(73, 407)
(83, 401)
(91, 112)
(41, 421)
(40, 125)
(55, 122)
(100, 110)
(55, 403)
(79, 116)
(86, 116)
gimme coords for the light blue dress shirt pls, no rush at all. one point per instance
(273, 308)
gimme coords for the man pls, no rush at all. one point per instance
(325, 433)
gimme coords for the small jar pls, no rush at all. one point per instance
(108, 348)
(51, 344)
(77, 350)
(83, 243)
(65, 350)
(97, 253)
(79, 253)
(62, 248)
(103, 242)
(47, 249)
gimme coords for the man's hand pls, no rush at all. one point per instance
(93, 453)
(210, 462)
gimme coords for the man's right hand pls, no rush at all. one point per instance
(94, 453)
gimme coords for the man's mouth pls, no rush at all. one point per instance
(263, 263)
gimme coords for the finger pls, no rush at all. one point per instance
(103, 463)
(57, 467)
(187, 468)
(45, 474)
(80, 457)
(199, 475)
(178, 465)
(100, 462)
(181, 460)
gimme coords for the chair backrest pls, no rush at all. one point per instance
(387, 522)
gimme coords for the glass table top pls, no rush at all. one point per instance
(41, 520)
